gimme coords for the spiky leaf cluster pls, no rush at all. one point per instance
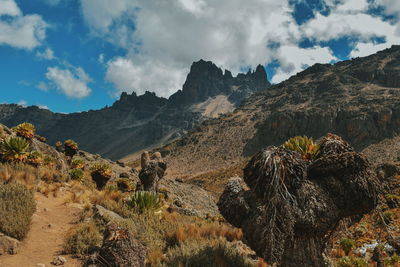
(35, 158)
(143, 201)
(71, 144)
(14, 149)
(304, 145)
(25, 130)
(101, 168)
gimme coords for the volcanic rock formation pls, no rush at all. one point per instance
(152, 171)
(293, 205)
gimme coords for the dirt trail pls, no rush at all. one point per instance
(49, 224)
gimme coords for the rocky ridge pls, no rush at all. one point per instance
(357, 99)
(134, 123)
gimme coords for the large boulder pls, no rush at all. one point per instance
(8, 245)
(293, 205)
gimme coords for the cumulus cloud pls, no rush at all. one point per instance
(47, 54)
(73, 82)
(162, 38)
(17, 30)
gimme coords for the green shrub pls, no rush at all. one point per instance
(25, 130)
(82, 238)
(304, 145)
(352, 262)
(14, 149)
(142, 201)
(76, 174)
(388, 216)
(211, 253)
(347, 244)
(17, 205)
(48, 160)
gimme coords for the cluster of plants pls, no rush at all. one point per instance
(70, 147)
(304, 145)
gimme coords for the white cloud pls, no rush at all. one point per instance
(169, 35)
(159, 78)
(47, 54)
(43, 107)
(25, 32)
(70, 81)
(22, 103)
(43, 86)
(307, 57)
(9, 7)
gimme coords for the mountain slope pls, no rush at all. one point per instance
(136, 122)
(356, 99)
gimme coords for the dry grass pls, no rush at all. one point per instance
(215, 181)
(20, 173)
(201, 231)
(82, 238)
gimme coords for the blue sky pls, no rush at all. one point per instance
(76, 55)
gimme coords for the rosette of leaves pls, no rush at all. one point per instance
(14, 149)
(101, 173)
(77, 163)
(70, 147)
(35, 158)
(144, 201)
(304, 145)
(25, 130)
(59, 146)
(48, 160)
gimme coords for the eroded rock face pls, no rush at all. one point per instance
(293, 205)
(152, 171)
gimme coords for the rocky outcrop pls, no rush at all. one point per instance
(134, 122)
(152, 171)
(120, 249)
(293, 205)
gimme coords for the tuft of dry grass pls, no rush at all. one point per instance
(20, 173)
(201, 231)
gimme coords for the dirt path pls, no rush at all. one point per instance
(49, 224)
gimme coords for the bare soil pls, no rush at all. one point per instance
(50, 223)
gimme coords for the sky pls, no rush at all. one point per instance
(77, 55)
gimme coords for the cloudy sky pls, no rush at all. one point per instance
(75, 55)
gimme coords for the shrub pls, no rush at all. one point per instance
(35, 158)
(304, 145)
(142, 201)
(102, 169)
(390, 261)
(352, 262)
(212, 253)
(77, 163)
(59, 146)
(14, 149)
(41, 138)
(82, 238)
(17, 205)
(20, 173)
(76, 174)
(388, 216)
(25, 130)
(347, 244)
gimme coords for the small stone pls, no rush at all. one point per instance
(40, 265)
(179, 180)
(8, 245)
(58, 260)
(45, 209)
(124, 175)
(178, 203)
